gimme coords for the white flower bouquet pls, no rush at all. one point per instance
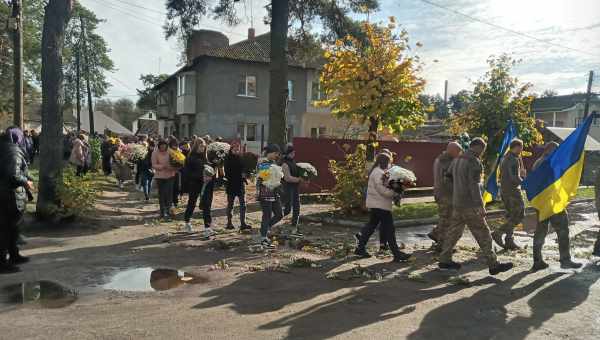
(398, 178)
(307, 171)
(216, 152)
(208, 172)
(270, 174)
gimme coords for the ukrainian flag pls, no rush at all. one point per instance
(491, 187)
(550, 187)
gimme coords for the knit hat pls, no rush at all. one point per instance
(289, 149)
(271, 148)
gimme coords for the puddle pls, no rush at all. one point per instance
(151, 280)
(45, 294)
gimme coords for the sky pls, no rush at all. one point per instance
(557, 41)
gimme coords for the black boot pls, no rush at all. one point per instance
(500, 267)
(401, 257)
(596, 251)
(539, 265)
(18, 259)
(5, 266)
(509, 243)
(569, 264)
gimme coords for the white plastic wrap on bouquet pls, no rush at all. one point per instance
(308, 170)
(271, 175)
(400, 174)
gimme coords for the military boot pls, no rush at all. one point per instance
(538, 260)
(509, 243)
(596, 251)
(569, 264)
(497, 237)
(500, 267)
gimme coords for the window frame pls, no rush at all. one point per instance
(254, 126)
(245, 79)
(291, 90)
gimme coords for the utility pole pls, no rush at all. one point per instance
(588, 95)
(87, 77)
(17, 16)
(446, 98)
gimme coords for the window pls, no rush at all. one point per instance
(314, 133)
(251, 132)
(241, 131)
(322, 132)
(150, 115)
(247, 86)
(317, 92)
(291, 90)
(181, 85)
(290, 133)
(166, 132)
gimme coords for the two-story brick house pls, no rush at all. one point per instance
(223, 91)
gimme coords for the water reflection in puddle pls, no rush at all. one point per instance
(151, 280)
(46, 294)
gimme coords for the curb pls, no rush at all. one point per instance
(413, 222)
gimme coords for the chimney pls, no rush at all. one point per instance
(251, 33)
(201, 40)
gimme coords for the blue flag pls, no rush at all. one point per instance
(491, 186)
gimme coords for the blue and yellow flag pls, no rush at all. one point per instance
(491, 187)
(551, 186)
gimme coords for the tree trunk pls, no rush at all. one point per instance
(56, 17)
(278, 90)
(17, 14)
(373, 124)
(78, 85)
(87, 78)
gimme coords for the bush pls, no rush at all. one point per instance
(95, 151)
(351, 180)
(77, 195)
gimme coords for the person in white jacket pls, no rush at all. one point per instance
(380, 200)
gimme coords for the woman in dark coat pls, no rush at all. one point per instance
(15, 184)
(235, 186)
(194, 172)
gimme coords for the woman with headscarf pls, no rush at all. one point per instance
(164, 175)
(15, 184)
(78, 153)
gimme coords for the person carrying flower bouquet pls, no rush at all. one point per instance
(164, 174)
(291, 186)
(380, 200)
(146, 173)
(235, 185)
(174, 147)
(194, 178)
(268, 195)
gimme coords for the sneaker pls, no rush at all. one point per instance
(497, 237)
(568, 264)
(18, 260)
(357, 237)
(297, 233)
(449, 265)
(208, 232)
(402, 257)
(509, 243)
(230, 226)
(362, 253)
(188, 227)
(266, 243)
(539, 265)
(501, 267)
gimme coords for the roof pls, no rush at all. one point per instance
(102, 122)
(560, 103)
(147, 127)
(251, 50)
(590, 143)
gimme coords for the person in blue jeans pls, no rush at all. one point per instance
(291, 187)
(144, 168)
(235, 186)
(269, 199)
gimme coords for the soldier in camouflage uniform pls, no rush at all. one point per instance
(559, 222)
(596, 251)
(442, 189)
(466, 173)
(512, 173)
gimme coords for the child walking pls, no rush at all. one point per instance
(269, 199)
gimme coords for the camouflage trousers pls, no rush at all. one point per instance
(445, 218)
(474, 219)
(560, 223)
(597, 201)
(515, 212)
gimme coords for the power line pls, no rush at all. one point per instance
(143, 17)
(525, 35)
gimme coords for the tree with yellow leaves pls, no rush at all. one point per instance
(372, 80)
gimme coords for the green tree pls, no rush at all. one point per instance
(460, 101)
(549, 93)
(287, 18)
(498, 97)
(374, 81)
(147, 95)
(106, 106)
(98, 55)
(434, 105)
(125, 111)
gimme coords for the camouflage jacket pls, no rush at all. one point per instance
(510, 175)
(442, 183)
(466, 173)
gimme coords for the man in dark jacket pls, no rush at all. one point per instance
(235, 186)
(107, 150)
(14, 184)
(291, 187)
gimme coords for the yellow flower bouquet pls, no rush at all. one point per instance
(176, 158)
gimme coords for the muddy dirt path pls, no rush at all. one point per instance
(121, 274)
